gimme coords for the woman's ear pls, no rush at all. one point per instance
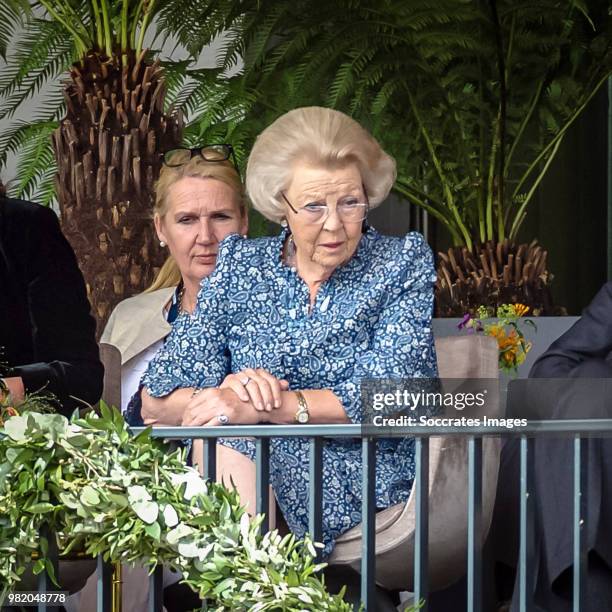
(244, 223)
(158, 228)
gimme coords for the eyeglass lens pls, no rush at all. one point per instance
(348, 210)
(212, 153)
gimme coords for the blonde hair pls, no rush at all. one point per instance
(319, 136)
(169, 274)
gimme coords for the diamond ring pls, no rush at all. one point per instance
(223, 419)
(245, 381)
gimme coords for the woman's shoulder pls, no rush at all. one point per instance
(400, 252)
(133, 311)
(148, 300)
(240, 248)
(240, 259)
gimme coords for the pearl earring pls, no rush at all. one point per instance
(244, 235)
(283, 222)
(162, 243)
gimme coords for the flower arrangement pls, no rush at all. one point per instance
(93, 486)
(506, 329)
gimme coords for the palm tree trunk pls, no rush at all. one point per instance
(108, 150)
(494, 273)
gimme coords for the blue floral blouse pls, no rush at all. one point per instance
(371, 318)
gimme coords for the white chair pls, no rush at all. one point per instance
(460, 357)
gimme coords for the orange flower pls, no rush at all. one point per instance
(497, 331)
(521, 309)
(508, 357)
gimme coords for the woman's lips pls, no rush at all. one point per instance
(206, 258)
(332, 245)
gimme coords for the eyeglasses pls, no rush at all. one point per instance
(209, 153)
(349, 208)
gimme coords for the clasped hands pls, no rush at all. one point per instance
(244, 398)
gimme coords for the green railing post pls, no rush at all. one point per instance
(368, 523)
(315, 494)
(421, 530)
(262, 483)
(527, 544)
(580, 526)
(475, 531)
(103, 585)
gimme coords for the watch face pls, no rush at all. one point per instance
(302, 418)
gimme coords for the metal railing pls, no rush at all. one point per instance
(579, 429)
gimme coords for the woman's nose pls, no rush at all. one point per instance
(204, 231)
(333, 221)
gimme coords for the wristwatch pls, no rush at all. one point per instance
(302, 415)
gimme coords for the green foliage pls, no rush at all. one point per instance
(32, 142)
(62, 32)
(472, 99)
(10, 19)
(101, 490)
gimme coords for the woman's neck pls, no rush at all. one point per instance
(189, 296)
(314, 275)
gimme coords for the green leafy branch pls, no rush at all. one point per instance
(98, 489)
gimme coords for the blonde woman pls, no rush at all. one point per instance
(199, 201)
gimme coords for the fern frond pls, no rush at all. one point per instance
(176, 75)
(231, 51)
(43, 53)
(51, 106)
(256, 46)
(32, 142)
(45, 193)
(21, 133)
(193, 23)
(13, 16)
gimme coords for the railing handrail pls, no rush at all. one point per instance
(552, 426)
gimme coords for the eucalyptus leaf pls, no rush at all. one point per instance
(41, 508)
(138, 493)
(16, 428)
(170, 516)
(90, 496)
(154, 531)
(147, 511)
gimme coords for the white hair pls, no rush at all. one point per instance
(318, 136)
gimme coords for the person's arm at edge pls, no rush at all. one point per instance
(589, 338)
(64, 335)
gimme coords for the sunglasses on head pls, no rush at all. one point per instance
(210, 153)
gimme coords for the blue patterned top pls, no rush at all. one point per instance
(371, 319)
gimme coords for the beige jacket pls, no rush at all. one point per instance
(138, 322)
(134, 325)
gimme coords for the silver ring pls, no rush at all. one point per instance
(223, 419)
(245, 381)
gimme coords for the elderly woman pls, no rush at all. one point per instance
(199, 201)
(322, 306)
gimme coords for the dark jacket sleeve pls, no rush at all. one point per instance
(67, 361)
(590, 338)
